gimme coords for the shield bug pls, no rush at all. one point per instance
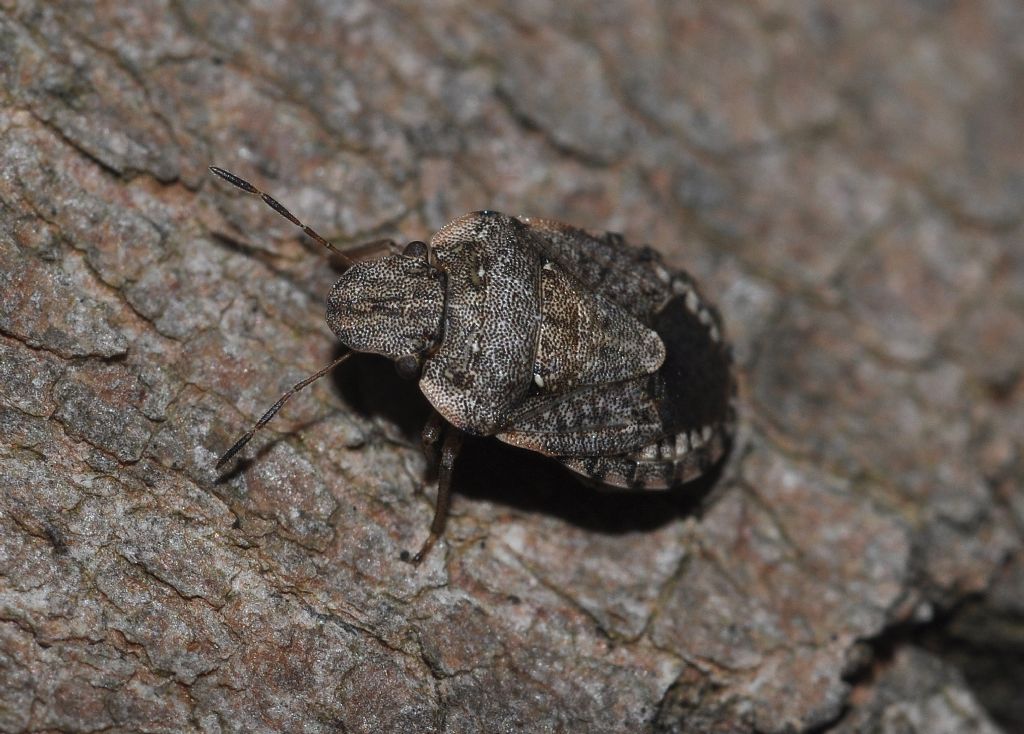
(548, 337)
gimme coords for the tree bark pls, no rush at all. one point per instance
(843, 178)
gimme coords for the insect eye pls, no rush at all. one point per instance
(408, 366)
(416, 248)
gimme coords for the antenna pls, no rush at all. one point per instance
(276, 407)
(280, 209)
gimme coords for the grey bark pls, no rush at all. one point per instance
(844, 178)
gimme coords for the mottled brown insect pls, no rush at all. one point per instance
(548, 337)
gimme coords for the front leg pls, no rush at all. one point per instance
(449, 450)
(430, 438)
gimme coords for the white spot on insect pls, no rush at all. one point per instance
(480, 271)
(705, 433)
(682, 444)
(692, 302)
(649, 452)
(538, 380)
(713, 333)
(475, 346)
(704, 316)
(548, 265)
(695, 440)
(663, 275)
(679, 287)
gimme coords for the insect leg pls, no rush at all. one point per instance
(365, 251)
(432, 433)
(374, 247)
(450, 449)
(276, 407)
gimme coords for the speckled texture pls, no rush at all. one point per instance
(843, 179)
(577, 346)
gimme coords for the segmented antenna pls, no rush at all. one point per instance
(280, 209)
(276, 407)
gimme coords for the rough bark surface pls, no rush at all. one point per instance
(844, 177)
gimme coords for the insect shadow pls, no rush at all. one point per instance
(492, 471)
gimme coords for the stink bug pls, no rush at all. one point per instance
(548, 337)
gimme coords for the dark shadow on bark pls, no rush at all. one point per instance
(371, 386)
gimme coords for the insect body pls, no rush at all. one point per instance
(548, 337)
